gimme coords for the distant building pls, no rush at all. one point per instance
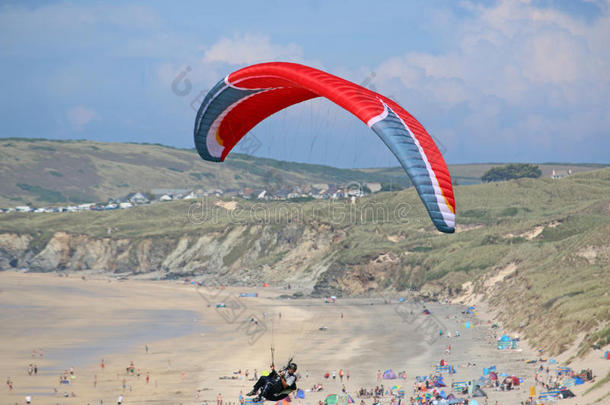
(558, 174)
(138, 198)
(321, 187)
(191, 196)
(247, 192)
(374, 187)
(165, 197)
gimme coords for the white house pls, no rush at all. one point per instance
(165, 197)
(321, 186)
(374, 187)
(558, 174)
(138, 198)
(23, 208)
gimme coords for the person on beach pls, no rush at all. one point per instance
(275, 386)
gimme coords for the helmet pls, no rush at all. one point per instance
(292, 366)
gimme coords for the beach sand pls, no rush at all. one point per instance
(195, 349)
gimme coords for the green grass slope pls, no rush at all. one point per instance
(537, 250)
(41, 171)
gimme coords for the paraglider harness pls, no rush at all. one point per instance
(274, 390)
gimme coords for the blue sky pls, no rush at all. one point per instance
(518, 81)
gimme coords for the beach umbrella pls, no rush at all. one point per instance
(396, 387)
(331, 399)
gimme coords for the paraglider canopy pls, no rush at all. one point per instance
(247, 96)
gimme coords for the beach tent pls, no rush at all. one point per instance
(607, 355)
(331, 399)
(300, 394)
(389, 375)
(552, 361)
(265, 285)
(489, 370)
(467, 325)
(566, 394)
(505, 342)
(426, 311)
(568, 382)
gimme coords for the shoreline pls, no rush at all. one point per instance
(362, 336)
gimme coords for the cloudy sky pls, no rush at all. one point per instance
(492, 81)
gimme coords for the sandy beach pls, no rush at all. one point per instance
(185, 350)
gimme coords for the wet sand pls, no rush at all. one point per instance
(192, 344)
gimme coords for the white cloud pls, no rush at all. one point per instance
(251, 48)
(79, 117)
(517, 74)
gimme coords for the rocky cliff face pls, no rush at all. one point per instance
(241, 254)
